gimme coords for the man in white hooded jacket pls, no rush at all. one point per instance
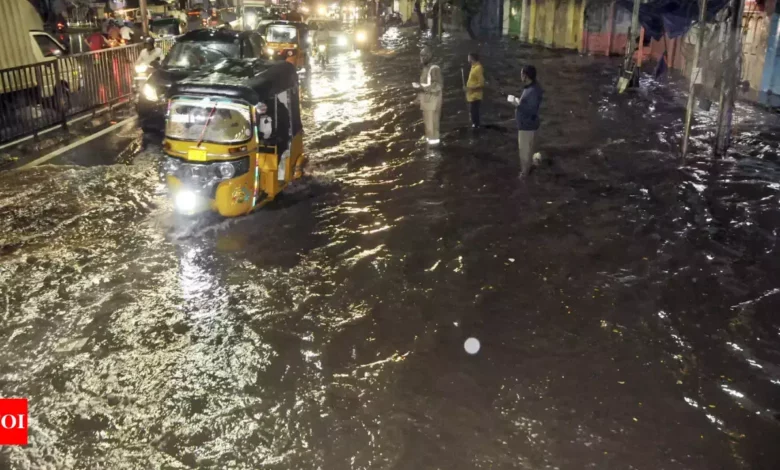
(430, 87)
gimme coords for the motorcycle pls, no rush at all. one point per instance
(322, 55)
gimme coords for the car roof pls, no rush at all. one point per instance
(213, 35)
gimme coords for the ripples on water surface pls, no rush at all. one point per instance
(626, 306)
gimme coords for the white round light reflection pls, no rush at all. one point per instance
(471, 346)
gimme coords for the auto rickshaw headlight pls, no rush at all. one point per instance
(270, 51)
(185, 200)
(150, 93)
(321, 48)
(342, 41)
(225, 170)
(322, 10)
(360, 36)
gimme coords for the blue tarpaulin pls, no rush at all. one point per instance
(673, 17)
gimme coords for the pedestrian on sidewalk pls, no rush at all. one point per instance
(420, 15)
(430, 87)
(474, 87)
(527, 116)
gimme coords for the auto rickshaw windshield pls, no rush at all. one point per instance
(208, 120)
(281, 33)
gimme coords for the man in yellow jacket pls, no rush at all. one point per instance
(474, 88)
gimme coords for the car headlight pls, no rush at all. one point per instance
(142, 68)
(149, 92)
(360, 36)
(185, 201)
(321, 48)
(270, 51)
(342, 40)
(224, 170)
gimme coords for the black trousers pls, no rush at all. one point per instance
(421, 17)
(474, 108)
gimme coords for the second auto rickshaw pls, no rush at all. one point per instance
(233, 137)
(287, 40)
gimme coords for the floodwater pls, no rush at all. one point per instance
(625, 304)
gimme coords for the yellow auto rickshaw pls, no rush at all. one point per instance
(233, 137)
(288, 41)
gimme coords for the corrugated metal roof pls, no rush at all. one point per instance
(18, 19)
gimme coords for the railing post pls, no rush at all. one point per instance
(59, 95)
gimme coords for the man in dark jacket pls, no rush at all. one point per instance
(527, 116)
(420, 15)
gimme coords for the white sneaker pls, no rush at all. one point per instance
(537, 158)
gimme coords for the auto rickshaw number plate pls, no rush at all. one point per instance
(196, 155)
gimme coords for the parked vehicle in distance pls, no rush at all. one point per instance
(25, 43)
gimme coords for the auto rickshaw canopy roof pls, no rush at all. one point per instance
(251, 80)
(301, 27)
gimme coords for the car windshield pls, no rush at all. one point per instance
(165, 28)
(228, 122)
(281, 33)
(194, 55)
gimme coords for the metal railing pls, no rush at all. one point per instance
(38, 96)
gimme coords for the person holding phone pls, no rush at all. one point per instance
(527, 117)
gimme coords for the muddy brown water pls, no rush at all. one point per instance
(626, 304)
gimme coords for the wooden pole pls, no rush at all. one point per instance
(633, 35)
(440, 19)
(732, 71)
(144, 18)
(692, 84)
(610, 26)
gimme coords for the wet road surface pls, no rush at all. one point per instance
(626, 305)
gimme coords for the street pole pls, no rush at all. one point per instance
(144, 18)
(732, 68)
(440, 19)
(694, 67)
(627, 74)
(633, 35)
(240, 11)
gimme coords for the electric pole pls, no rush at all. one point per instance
(144, 17)
(732, 71)
(627, 74)
(694, 78)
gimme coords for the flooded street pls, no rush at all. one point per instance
(626, 305)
